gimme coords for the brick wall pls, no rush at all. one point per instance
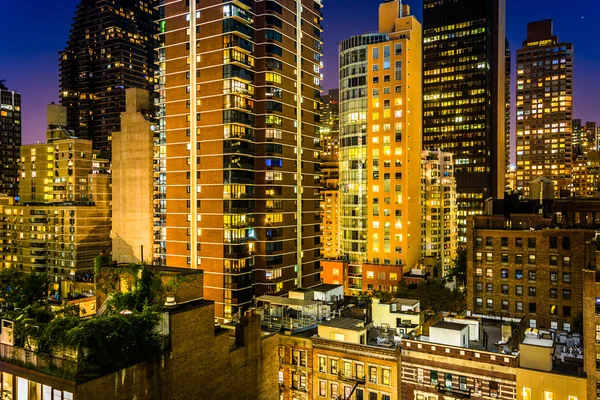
(557, 301)
(201, 365)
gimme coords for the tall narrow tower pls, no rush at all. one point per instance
(10, 140)
(464, 94)
(111, 47)
(239, 168)
(544, 108)
(380, 149)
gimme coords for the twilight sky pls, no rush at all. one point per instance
(29, 50)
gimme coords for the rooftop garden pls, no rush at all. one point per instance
(56, 340)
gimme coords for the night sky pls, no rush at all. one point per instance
(35, 31)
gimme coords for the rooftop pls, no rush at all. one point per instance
(286, 301)
(404, 302)
(449, 325)
(324, 287)
(345, 323)
(539, 342)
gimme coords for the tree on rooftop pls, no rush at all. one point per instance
(433, 295)
(459, 271)
(20, 290)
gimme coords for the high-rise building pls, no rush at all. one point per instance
(133, 151)
(592, 135)
(394, 140)
(63, 219)
(577, 136)
(239, 169)
(111, 47)
(10, 140)
(380, 144)
(464, 92)
(330, 171)
(354, 99)
(330, 128)
(544, 108)
(507, 139)
(439, 225)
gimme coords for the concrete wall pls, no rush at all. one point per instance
(449, 337)
(561, 386)
(132, 173)
(536, 357)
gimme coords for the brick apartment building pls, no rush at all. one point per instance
(527, 266)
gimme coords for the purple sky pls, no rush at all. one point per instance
(29, 61)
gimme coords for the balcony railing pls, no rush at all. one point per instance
(56, 366)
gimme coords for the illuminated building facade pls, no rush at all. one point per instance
(439, 223)
(111, 47)
(330, 127)
(354, 170)
(586, 181)
(330, 171)
(239, 168)
(10, 140)
(464, 92)
(394, 140)
(63, 219)
(380, 142)
(507, 139)
(544, 108)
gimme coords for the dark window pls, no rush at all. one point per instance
(566, 311)
(504, 258)
(504, 242)
(272, 20)
(566, 294)
(273, 49)
(532, 291)
(519, 242)
(273, 35)
(532, 307)
(272, 6)
(518, 258)
(531, 243)
(489, 241)
(566, 243)
(553, 242)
